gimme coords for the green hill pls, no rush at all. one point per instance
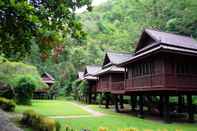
(117, 24)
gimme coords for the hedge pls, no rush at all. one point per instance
(7, 105)
(39, 122)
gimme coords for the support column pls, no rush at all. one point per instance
(89, 98)
(190, 109)
(116, 103)
(121, 102)
(180, 103)
(133, 102)
(141, 106)
(166, 112)
(161, 105)
(107, 100)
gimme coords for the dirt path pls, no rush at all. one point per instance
(92, 112)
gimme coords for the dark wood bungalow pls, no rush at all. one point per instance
(164, 65)
(111, 77)
(89, 76)
(80, 75)
(43, 93)
(48, 79)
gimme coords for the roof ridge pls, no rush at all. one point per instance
(168, 32)
(94, 65)
(118, 52)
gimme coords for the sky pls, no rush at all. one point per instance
(94, 3)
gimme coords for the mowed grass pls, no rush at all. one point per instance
(53, 108)
(116, 121)
(113, 121)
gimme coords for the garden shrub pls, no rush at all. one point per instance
(103, 129)
(10, 72)
(68, 128)
(75, 89)
(24, 90)
(39, 122)
(7, 105)
(6, 91)
(129, 129)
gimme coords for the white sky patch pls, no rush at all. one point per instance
(94, 3)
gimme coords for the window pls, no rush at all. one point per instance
(186, 68)
(142, 69)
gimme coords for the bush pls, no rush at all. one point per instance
(24, 90)
(103, 129)
(10, 72)
(7, 91)
(39, 122)
(7, 105)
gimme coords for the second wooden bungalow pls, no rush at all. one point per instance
(111, 77)
(89, 76)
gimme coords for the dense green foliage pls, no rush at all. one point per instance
(39, 122)
(80, 90)
(24, 90)
(48, 35)
(7, 105)
(117, 24)
(11, 73)
(45, 23)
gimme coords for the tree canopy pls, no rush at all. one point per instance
(47, 23)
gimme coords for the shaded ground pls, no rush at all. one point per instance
(6, 124)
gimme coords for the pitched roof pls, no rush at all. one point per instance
(80, 75)
(163, 41)
(111, 69)
(90, 77)
(91, 70)
(170, 39)
(47, 78)
(112, 58)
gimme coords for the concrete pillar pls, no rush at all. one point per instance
(141, 106)
(107, 99)
(121, 101)
(161, 105)
(166, 112)
(133, 102)
(190, 109)
(180, 103)
(116, 103)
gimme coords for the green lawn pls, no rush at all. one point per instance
(53, 108)
(113, 121)
(116, 121)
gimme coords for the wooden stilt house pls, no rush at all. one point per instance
(89, 76)
(164, 64)
(111, 77)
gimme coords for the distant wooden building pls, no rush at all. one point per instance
(48, 79)
(110, 77)
(164, 65)
(80, 75)
(44, 93)
(89, 76)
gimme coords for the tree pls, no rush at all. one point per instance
(46, 23)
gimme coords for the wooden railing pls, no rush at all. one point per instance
(117, 86)
(104, 85)
(146, 81)
(186, 81)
